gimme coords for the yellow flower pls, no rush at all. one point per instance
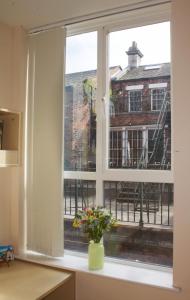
(76, 223)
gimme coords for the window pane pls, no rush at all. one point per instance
(140, 98)
(78, 194)
(135, 101)
(145, 216)
(141, 203)
(145, 211)
(79, 104)
(157, 98)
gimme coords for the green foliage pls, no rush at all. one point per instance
(88, 89)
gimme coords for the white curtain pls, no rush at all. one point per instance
(45, 140)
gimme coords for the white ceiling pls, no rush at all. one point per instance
(35, 13)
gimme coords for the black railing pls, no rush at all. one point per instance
(140, 203)
(78, 194)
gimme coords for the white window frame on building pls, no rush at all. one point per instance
(157, 87)
(135, 102)
(156, 101)
(126, 155)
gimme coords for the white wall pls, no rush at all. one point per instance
(12, 96)
(90, 287)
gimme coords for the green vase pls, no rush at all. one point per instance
(95, 256)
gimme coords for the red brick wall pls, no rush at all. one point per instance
(120, 98)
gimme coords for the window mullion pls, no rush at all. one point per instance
(101, 111)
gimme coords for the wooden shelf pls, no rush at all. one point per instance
(9, 158)
(10, 138)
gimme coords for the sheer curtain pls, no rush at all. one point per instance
(45, 140)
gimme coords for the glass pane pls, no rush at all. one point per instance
(135, 101)
(145, 211)
(157, 98)
(142, 203)
(79, 103)
(78, 194)
(140, 116)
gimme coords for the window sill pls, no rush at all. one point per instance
(133, 272)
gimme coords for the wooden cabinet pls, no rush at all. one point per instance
(10, 138)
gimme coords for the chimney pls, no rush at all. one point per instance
(134, 56)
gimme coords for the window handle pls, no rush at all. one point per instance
(104, 105)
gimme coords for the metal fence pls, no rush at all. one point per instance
(129, 202)
(78, 194)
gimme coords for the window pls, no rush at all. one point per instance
(154, 67)
(80, 103)
(135, 101)
(158, 96)
(117, 148)
(125, 148)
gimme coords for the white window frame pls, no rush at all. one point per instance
(104, 26)
(134, 87)
(158, 85)
(129, 100)
(152, 89)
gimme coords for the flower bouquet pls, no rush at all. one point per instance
(94, 222)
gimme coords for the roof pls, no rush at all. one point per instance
(78, 77)
(141, 72)
(117, 73)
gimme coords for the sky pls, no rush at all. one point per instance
(152, 40)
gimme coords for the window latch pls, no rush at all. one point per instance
(104, 105)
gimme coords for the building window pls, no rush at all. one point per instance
(135, 101)
(157, 98)
(113, 139)
(125, 148)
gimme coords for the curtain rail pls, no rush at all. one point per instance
(102, 14)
